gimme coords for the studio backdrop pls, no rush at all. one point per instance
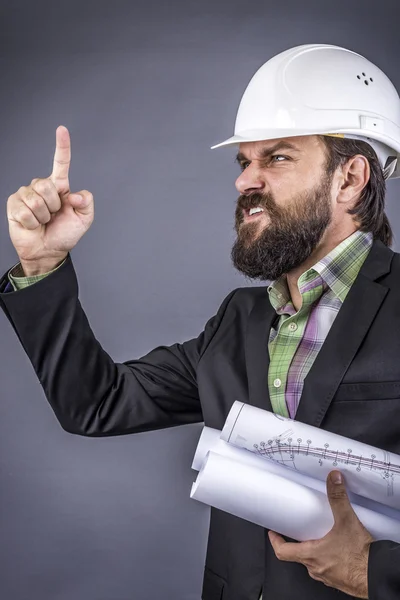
(145, 88)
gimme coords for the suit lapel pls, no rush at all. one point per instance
(345, 336)
(338, 350)
(257, 356)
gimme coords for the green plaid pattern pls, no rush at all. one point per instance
(18, 281)
(294, 344)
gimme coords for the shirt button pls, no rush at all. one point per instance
(277, 383)
(292, 326)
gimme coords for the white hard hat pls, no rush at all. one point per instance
(320, 89)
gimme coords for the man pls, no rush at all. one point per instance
(319, 344)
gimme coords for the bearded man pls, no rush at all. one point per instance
(318, 135)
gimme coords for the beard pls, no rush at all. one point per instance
(266, 252)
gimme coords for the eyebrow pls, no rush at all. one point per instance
(266, 152)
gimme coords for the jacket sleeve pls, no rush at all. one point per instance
(18, 280)
(384, 571)
(90, 394)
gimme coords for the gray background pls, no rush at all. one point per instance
(145, 89)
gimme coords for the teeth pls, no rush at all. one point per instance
(253, 211)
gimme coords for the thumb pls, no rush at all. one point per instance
(82, 202)
(338, 498)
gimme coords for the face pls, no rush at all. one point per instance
(292, 188)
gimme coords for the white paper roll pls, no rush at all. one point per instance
(276, 503)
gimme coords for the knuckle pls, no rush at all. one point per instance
(318, 570)
(22, 210)
(13, 205)
(16, 195)
(34, 201)
(309, 556)
(43, 186)
(338, 494)
(279, 554)
(314, 575)
(24, 216)
(59, 161)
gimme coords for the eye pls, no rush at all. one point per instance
(279, 156)
(245, 163)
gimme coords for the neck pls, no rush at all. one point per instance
(322, 250)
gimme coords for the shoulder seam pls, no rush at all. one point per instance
(228, 301)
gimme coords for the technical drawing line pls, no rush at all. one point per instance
(273, 447)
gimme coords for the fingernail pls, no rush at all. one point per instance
(336, 477)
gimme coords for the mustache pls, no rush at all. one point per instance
(245, 202)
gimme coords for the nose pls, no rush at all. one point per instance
(249, 181)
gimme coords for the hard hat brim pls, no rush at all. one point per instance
(257, 135)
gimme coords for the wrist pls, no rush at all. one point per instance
(39, 267)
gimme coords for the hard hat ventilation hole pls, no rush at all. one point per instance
(365, 81)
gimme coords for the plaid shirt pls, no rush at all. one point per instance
(294, 344)
(17, 281)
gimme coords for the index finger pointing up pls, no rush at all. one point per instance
(62, 159)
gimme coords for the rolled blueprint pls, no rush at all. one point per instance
(274, 496)
(273, 502)
(368, 471)
(210, 440)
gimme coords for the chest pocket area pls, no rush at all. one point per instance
(385, 390)
(369, 413)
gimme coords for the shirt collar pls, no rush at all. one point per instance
(337, 270)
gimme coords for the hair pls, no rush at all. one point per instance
(369, 210)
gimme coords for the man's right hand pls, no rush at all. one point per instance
(45, 220)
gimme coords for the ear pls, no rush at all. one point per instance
(355, 175)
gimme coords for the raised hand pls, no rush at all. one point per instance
(45, 220)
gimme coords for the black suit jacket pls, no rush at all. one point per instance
(353, 389)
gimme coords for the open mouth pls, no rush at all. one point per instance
(251, 214)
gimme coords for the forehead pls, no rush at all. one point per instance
(305, 144)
